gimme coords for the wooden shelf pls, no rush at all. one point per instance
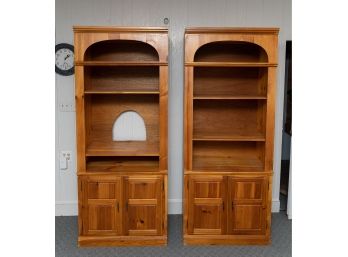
(210, 155)
(227, 97)
(122, 164)
(231, 64)
(109, 92)
(256, 138)
(120, 63)
(226, 164)
(121, 79)
(224, 155)
(236, 120)
(128, 148)
(230, 83)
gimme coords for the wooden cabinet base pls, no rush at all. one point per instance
(122, 241)
(226, 240)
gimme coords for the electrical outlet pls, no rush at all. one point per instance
(64, 160)
(67, 107)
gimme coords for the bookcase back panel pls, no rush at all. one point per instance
(121, 50)
(222, 81)
(227, 118)
(105, 109)
(229, 51)
(100, 78)
(228, 156)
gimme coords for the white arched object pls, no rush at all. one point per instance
(129, 126)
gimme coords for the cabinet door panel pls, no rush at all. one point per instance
(206, 213)
(248, 190)
(143, 199)
(101, 205)
(248, 218)
(248, 201)
(101, 218)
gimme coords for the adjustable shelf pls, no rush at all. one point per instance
(230, 83)
(231, 64)
(104, 92)
(226, 97)
(120, 63)
(241, 119)
(123, 164)
(203, 137)
(227, 156)
(122, 79)
(105, 148)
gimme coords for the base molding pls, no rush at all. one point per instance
(226, 240)
(275, 205)
(85, 241)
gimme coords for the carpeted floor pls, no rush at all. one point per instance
(66, 243)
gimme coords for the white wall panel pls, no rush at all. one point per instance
(181, 13)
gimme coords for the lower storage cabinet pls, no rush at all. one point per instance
(226, 207)
(120, 207)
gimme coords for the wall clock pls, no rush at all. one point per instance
(64, 59)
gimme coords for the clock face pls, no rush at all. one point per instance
(64, 59)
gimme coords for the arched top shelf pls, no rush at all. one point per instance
(230, 51)
(121, 51)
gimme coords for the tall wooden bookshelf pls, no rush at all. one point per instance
(122, 184)
(230, 82)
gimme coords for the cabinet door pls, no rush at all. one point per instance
(248, 205)
(143, 205)
(206, 211)
(101, 205)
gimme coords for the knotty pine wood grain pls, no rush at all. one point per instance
(122, 185)
(229, 130)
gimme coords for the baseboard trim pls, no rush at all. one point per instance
(66, 208)
(275, 205)
(175, 206)
(69, 208)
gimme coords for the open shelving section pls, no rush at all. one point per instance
(121, 92)
(229, 127)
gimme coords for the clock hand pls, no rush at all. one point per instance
(67, 57)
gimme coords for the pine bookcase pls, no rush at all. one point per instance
(230, 83)
(122, 184)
